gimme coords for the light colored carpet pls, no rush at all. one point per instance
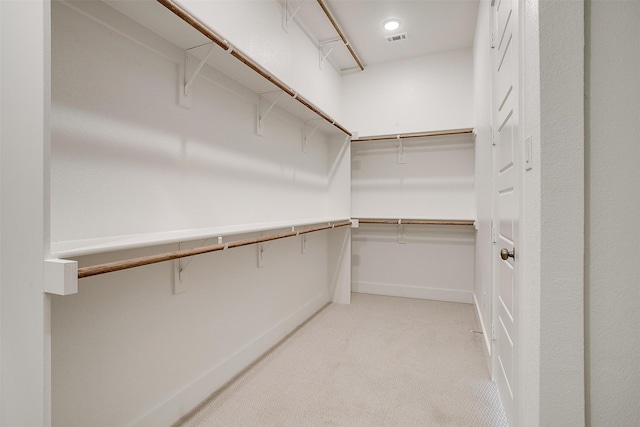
(380, 361)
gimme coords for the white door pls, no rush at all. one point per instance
(506, 182)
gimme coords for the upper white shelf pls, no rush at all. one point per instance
(74, 248)
(175, 24)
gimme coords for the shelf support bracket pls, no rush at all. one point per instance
(402, 158)
(179, 267)
(188, 84)
(287, 15)
(325, 54)
(306, 136)
(262, 247)
(401, 238)
(186, 81)
(263, 115)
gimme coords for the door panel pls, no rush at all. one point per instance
(505, 359)
(506, 173)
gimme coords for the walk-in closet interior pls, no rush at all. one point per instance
(283, 213)
(220, 171)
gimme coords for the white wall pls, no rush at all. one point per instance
(160, 166)
(483, 167)
(552, 359)
(24, 310)
(429, 262)
(433, 92)
(126, 160)
(613, 202)
(530, 352)
(434, 182)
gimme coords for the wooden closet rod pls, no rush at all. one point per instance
(168, 256)
(414, 135)
(211, 35)
(340, 33)
(416, 221)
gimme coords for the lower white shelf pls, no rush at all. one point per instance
(74, 248)
(415, 221)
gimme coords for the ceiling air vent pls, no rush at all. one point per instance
(396, 37)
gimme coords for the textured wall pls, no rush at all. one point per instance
(562, 213)
(613, 202)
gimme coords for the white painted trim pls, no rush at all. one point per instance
(486, 336)
(408, 291)
(198, 390)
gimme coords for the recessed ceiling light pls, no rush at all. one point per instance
(391, 24)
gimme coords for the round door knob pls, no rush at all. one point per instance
(505, 254)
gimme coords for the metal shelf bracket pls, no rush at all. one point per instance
(263, 115)
(288, 15)
(322, 49)
(307, 135)
(402, 158)
(188, 74)
(262, 247)
(260, 255)
(401, 238)
(179, 267)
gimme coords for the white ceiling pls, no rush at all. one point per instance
(431, 25)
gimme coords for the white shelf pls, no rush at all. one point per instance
(74, 248)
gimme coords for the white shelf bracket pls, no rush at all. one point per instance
(287, 15)
(179, 285)
(188, 76)
(402, 158)
(262, 247)
(180, 266)
(263, 115)
(188, 84)
(304, 243)
(179, 282)
(401, 238)
(323, 53)
(307, 135)
(60, 276)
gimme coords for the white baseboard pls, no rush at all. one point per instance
(486, 335)
(407, 291)
(190, 396)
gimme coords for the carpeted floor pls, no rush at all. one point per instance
(380, 361)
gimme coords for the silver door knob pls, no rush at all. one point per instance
(505, 254)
